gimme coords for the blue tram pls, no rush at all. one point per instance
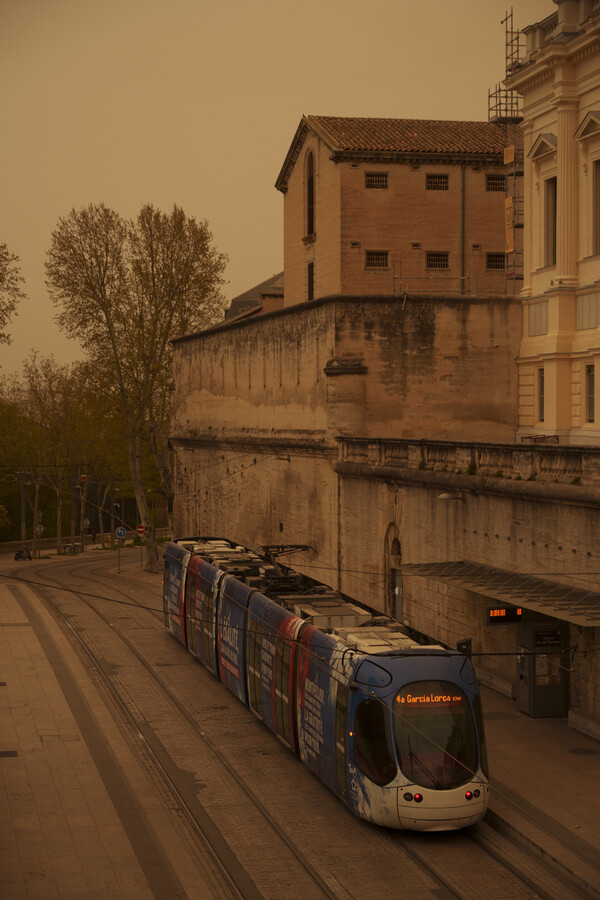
(393, 727)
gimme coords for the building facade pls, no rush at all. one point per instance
(386, 206)
(559, 358)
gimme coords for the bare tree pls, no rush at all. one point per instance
(10, 289)
(125, 290)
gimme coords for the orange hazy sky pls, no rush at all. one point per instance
(196, 102)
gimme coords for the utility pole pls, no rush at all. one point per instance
(23, 506)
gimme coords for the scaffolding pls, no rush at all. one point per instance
(505, 108)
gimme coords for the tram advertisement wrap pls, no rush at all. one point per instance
(232, 616)
(316, 708)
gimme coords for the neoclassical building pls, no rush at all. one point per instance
(559, 357)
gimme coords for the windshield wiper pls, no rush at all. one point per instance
(413, 756)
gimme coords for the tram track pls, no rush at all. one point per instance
(239, 882)
(447, 865)
(479, 855)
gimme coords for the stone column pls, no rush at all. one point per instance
(566, 212)
(529, 264)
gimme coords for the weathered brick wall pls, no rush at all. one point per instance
(325, 250)
(258, 496)
(351, 219)
(254, 377)
(439, 368)
(406, 214)
(434, 367)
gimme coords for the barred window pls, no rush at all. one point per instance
(495, 183)
(376, 259)
(495, 261)
(437, 260)
(376, 180)
(436, 182)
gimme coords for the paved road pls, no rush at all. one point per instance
(92, 813)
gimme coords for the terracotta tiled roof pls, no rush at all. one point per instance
(408, 135)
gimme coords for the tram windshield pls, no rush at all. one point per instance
(435, 734)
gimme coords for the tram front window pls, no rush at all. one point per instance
(435, 735)
(373, 751)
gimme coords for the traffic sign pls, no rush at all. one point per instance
(140, 529)
(120, 532)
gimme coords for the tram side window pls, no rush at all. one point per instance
(283, 673)
(166, 593)
(190, 610)
(372, 742)
(203, 621)
(254, 666)
(482, 745)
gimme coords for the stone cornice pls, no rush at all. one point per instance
(414, 158)
(277, 446)
(473, 484)
(292, 156)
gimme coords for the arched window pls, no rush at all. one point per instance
(310, 194)
(392, 561)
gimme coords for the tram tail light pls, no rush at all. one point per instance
(416, 797)
(468, 795)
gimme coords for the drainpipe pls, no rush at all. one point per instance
(462, 227)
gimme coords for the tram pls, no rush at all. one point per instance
(392, 726)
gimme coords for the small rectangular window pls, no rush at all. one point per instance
(310, 281)
(495, 183)
(376, 259)
(436, 182)
(495, 261)
(437, 261)
(590, 393)
(540, 395)
(376, 180)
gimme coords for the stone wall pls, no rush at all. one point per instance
(421, 366)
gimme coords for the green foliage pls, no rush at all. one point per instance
(125, 290)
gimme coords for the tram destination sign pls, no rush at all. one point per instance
(498, 615)
(429, 699)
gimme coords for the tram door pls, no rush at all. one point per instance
(543, 669)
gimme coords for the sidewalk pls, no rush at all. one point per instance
(79, 814)
(545, 777)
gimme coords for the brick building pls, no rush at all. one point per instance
(383, 206)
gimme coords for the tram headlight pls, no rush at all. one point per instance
(476, 793)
